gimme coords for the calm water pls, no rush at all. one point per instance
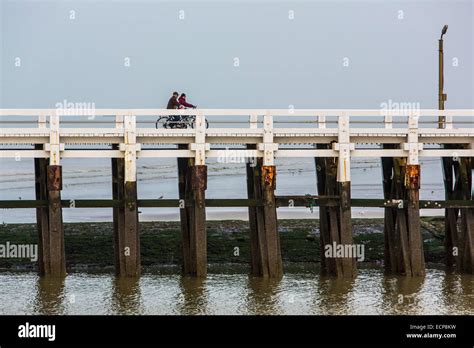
(231, 291)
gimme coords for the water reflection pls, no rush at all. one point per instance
(262, 296)
(50, 296)
(126, 296)
(401, 295)
(192, 299)
(458, 292)
(334, 295)
(299, 292)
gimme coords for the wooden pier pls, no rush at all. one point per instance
(331, 137)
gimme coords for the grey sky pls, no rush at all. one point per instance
(283, 61)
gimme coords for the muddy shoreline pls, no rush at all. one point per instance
(89, 246)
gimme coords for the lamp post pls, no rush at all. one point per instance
(441, 95)
(450, 215)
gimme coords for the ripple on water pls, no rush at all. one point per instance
(298, 292)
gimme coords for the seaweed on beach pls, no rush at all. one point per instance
(90, 245)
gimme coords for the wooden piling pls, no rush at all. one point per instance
(349, 267)
(275, 268)
(467, 256)
(261, 238)
(56, 265)
(390, 217)
(264, 238)
(328, 265)
(124, 189)
(48, 186)
(131, 227)
(334, 221)
(415, 241)
(126, 226)
(198, 235)
(184, 211)
(402, 230)
(333, 215)
(459, 223)
(450, 216)
(254, 192)
(466, 244)
(192, 181)
(118, 172)
(42, 215)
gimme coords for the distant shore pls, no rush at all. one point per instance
(89, 246)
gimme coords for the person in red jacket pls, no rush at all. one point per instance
(183, 102)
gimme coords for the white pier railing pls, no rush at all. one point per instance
(55, 132)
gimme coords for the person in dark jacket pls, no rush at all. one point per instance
(182, 101)
(173, 103)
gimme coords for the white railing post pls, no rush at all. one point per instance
(54, 147)
(448, 122)
(119, 127)
(200, 146)
(119, 122)
(130, 148)
(42, 121)
(344, 146)
(321, 121)
(388, 121)
(253, 121)
(412, 145)
(268, 147)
